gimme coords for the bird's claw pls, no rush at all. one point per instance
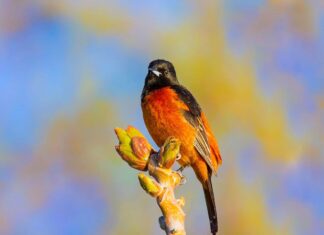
(183, 179)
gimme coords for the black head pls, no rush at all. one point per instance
(161, 73)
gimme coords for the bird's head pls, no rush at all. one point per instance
(161, 73)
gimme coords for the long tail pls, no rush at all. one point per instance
(211, 206)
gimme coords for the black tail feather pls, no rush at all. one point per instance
(211, 206)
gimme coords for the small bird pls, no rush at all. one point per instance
(169, 109)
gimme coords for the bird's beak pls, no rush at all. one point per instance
(156, 73)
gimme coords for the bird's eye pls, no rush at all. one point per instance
(166, 72)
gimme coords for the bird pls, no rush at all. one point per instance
(169, 109)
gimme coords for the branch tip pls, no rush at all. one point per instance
(134, 148)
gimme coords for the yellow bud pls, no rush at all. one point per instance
(132, 132)
(149, 185)
(133, 147)
(169, 152)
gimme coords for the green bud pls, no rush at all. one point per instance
(149, 185)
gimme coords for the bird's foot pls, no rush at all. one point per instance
(183, 179)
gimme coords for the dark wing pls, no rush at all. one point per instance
(193, 116)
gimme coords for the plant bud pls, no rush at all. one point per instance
(169, 152)
(133, 147)
(149, 185)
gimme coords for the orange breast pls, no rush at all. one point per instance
(163, 116)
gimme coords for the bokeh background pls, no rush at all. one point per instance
(71, 71)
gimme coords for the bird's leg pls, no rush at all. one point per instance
(181, 168)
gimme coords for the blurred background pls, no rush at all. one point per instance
(71, 71)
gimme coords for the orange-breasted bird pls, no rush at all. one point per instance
(169, 109)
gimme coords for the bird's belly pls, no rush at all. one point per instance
(165, 119)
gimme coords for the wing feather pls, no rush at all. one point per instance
(193, 116)
(201, 143)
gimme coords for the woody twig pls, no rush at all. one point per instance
(138, 153)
